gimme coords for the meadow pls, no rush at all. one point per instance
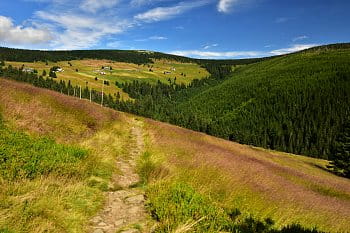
(55, 166)
(200, 181)
(84, 72)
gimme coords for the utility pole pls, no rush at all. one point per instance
(103, 82)
(90, 95)
(80, 91)
(74, 91)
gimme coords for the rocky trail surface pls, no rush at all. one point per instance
(124, 209)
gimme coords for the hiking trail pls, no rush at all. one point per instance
(124, 210)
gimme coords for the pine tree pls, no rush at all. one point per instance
(52, 74)
(341, 156)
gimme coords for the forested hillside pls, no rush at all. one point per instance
(296, 103)
(131, 56)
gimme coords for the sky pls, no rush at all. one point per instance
(222, 29)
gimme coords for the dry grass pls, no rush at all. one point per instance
(48, 113)
(285, 187)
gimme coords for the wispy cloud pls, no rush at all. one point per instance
(138, 3)
(12, 34)
(292, 49)
(241, 54)
(226, 6)
(164, 13)
(152, 38)
(95, 5)
(282, 20)
(114, 44)
(81, 31)
(303, 37)
(208, 46)
(210, 54)
(158, 38)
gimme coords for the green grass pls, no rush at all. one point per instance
(26, 157)
(122, 72)
(42, 184)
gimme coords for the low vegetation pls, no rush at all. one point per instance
(54, 184)
(28, 158)
(203, 184)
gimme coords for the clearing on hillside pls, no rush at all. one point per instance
(91, 73)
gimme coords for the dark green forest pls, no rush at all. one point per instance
(296, 103)
(129, 56)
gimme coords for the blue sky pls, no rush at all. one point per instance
(196, 28)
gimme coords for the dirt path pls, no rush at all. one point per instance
(124, 209)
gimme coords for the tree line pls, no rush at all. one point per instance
(128, 56)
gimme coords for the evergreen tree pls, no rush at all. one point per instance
(52, 74)
(44, 73)
(341, 156)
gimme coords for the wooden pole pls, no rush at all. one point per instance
(103, 82)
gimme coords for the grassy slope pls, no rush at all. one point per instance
(285, 187)
(122, 72)
(56, 201)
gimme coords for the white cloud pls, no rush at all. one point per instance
(300, 38)
(152, 38)
(79, 31)
(19, 35)
(282, 20)
(95, 5)
(163, 13)
(158, 38)
(210, 54)
(138, 3)
(240, 54)
(225, 6)
(114, 44)
(292, 49)
(208, 46)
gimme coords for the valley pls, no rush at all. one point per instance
(264, 184)
(105, 164)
